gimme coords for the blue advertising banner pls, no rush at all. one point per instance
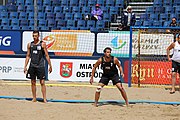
(10, 40)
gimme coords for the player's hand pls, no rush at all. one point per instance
(91, 81)
(122, 74)
(50, 69)
(25, 70)
(169, 59)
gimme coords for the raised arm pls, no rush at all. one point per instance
(94, 69)
(171, 46)
(27, 58)
(47, 56)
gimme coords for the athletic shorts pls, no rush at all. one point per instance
(175, 66)
(34, 73)
(105, 79)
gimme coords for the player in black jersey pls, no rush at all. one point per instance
(36, 51)
(110, 72)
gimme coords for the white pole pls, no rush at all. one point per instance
(35, 15)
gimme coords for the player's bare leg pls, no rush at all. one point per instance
(97, 94)
(123, 93)
(43, 90)
(173, 83)
(33, 87)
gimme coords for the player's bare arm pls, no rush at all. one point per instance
(47, 56)
(94, 69)
(171, 46)
(116, 61)
(27, 58)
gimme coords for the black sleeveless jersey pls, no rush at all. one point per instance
(109, 68)
(37, 55)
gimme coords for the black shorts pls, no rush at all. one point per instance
(105, 79)
(175, 66)
(34, 72)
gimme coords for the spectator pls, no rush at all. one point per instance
(173, 24)
(97, 13)
(128, 18)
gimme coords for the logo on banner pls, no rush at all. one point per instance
(49, 40)
(117, 43)
(66, 69)
(5, 41)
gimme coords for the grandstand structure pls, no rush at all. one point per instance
(69, 14)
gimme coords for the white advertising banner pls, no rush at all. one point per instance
(151, 44)
(73, 70)
(12, 68)
(67, 42)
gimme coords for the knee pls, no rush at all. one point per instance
(99, 89)
(33, 82)
(42, 83)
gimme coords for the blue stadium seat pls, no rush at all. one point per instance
(63, 28)
(157, 3)
(43, 28)
(39, 2)
(90, 23)
(4, 21)
(176, 2)
(49, 9)
(113, 10)
(31, 27)
(29, 8)
(42, 22)
(40, 8)
(119, 3)
(24, 27)
(173, 15)
(149, 10)
(4, 14)
(41, 15)
(68, 16)
(75, 9)
(61, 23)
(13, 15)
(15, 27)
(51, 23)
(58, 9)
(6, 27)
(3, 8)
(49, 15)
(66, 9)
(138, 23)
(55, 2)
(70, 23)
(106, 17)
(31, 22)
(154, 17)
(144, 17)
(83, 28)
(11, 8)
(81, 23)
(105, 9)
(64, 2)
(74, 2)
(100, 2)
(23, 23)
(83, 2)
(21, 8)
(60, 16)
(29, 2)
(77, 16)
(110, 3)
(169, 9)
(14, 22)
(91, 3)
(100, 24)
(159, 9)
(86, 10)
(157, 23)
(72, 28)
(46, 3)
(20, 2)
(177, 9)
(22, 15)
(166, 23)
(31, 15)
(147, 23)
(167, 3)
(163, 17)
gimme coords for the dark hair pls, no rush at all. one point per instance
(36, 31)
(107, 48)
